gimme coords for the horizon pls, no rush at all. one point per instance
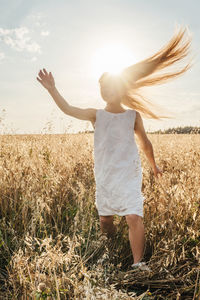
(159, 131)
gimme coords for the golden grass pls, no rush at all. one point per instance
(50, 239)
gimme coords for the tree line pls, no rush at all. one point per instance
(177, 130)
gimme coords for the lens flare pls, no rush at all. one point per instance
(112, 58)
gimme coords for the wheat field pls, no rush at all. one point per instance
(50, 239)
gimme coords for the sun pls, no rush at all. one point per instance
(111, 58)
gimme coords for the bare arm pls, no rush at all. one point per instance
(47, 80)
(145, 143)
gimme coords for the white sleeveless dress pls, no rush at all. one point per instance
(117, 165)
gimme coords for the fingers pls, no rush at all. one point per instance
(38, 79)
(51, 76)
(45, 72)
(41, 74)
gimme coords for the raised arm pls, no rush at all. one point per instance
(145, 143)
(47, 80)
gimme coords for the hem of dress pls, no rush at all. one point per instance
(121, 214)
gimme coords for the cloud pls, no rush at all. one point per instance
(19, 39)
(37, 19)
(2, 56)
(45, 33)
(34, 58)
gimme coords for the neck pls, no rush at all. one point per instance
(114, 107)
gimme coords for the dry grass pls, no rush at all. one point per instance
(50, 240)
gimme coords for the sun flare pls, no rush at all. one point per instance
(111, 58)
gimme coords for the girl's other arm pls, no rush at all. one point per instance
(145, 143)
(47, 80)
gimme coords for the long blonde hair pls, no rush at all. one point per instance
(144, 73)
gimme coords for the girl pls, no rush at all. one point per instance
(117, 165)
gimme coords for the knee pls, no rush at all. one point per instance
(133, 220)
(106, 220)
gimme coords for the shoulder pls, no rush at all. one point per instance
(139, 126)
(94, 111)
(136, 115)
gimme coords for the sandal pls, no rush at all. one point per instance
(141, 266)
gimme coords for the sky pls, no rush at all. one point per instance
(75, 41)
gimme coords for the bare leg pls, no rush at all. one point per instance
(136, 236)
(107, 226)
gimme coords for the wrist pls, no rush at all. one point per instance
(51, 89)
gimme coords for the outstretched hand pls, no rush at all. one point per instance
(46, 79)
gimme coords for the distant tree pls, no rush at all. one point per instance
(179, 130)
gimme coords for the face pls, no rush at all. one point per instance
(107, 92)
(110, 91)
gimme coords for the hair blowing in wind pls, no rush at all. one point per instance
(148, 72)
